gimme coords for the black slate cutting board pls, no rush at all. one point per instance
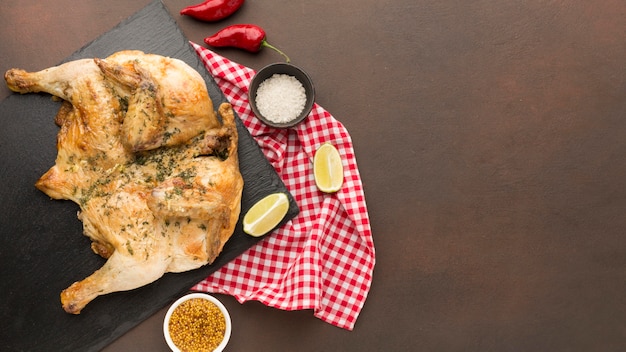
(42, 249)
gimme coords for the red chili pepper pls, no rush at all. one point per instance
(212, 10)
(248, 37)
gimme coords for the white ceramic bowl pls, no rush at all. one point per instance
(187, 297)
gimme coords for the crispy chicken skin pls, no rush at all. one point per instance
(143, 153)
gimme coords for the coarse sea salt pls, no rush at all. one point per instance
(280, 98)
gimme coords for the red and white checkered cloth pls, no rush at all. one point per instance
(323, 259)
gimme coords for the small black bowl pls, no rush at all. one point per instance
(287, 69)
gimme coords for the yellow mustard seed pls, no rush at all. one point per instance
(197, 325)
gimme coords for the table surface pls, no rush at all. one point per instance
(490, 137)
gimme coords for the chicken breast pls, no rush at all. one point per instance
(143, 153)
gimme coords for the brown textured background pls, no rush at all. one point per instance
(490, 136)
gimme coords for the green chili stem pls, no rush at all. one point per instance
(264, 43)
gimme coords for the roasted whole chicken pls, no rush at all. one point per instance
(143, 153)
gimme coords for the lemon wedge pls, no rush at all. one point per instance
(327, 168)
(265, 214)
